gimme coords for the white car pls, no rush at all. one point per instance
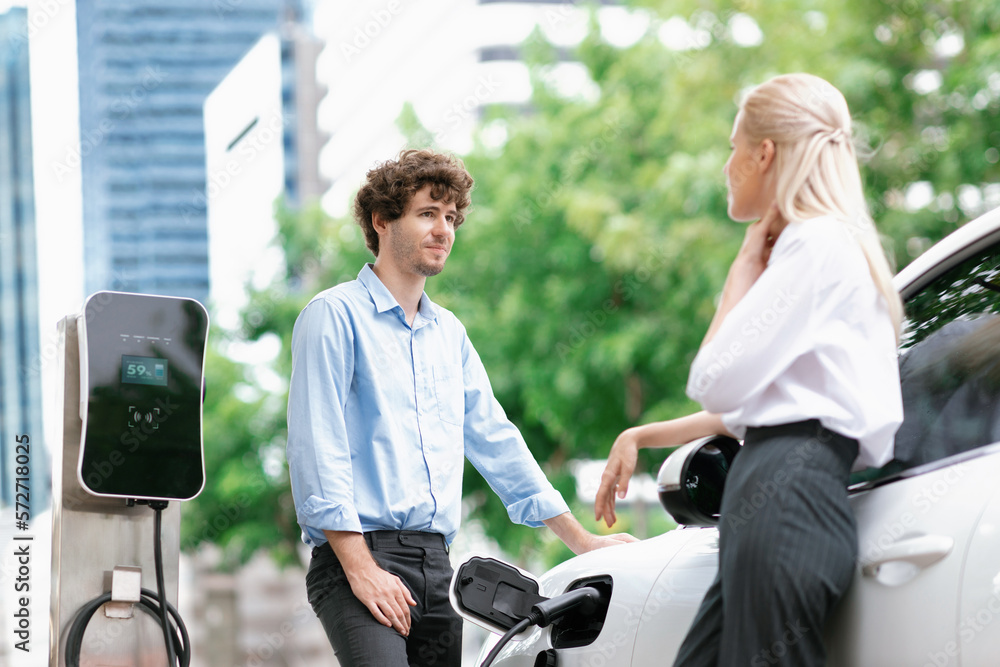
(926, 591)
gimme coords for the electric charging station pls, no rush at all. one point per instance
(132, 367)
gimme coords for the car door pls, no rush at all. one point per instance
(979, 615)
(904, 605)
(917, 516)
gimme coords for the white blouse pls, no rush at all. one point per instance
(811, 339)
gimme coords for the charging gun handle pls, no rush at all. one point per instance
(552, 609)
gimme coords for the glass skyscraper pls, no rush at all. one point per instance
(20, 376)
(145, 69)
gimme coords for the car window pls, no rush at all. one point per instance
(964, 292)
(949, 366)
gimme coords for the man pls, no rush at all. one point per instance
(386, 397)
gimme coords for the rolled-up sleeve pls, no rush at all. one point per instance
(498, 451)
(318, 453)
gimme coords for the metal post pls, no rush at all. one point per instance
(91, 536)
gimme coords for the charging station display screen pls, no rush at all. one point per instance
(142, 413)
(144, 370)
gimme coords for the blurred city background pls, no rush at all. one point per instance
(211, 148)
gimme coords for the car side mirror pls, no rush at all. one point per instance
(691, 480)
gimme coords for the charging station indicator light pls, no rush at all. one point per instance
(144, 370)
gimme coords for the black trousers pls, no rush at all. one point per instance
(787, 547)
(421, 561)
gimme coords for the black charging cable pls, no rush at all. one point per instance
(546, 612)
(168, 635)
(155, 604)
(521, 625)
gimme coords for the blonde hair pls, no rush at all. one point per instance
(816, 168)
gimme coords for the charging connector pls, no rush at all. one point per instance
(548, 611)
(552, 609)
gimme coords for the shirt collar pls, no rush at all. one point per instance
(427, 310)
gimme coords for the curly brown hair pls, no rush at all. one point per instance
(390, 187)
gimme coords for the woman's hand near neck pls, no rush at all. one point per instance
(750, 262)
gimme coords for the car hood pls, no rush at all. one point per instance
(658, 584)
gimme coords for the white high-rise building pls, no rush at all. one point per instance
(448, 59)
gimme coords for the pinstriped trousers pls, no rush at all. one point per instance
(787, 547)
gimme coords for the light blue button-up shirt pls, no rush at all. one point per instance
(381, 413)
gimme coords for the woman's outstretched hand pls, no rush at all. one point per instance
(625, 452)
(616, 476)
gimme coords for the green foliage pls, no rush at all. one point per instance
(246, 504)
(598, 238)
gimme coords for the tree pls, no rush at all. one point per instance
(598, 240)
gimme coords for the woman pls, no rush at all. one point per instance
(800, 362)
